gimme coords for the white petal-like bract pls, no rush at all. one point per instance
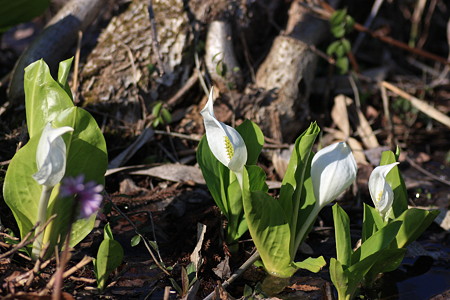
(51, 156)
(380, 191)
(333, 169)
(224, 141)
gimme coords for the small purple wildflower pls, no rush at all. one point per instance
(87, 194)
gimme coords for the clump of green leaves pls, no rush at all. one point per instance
(384, 237)
(341, 24)
(49, 104)
(160, 114)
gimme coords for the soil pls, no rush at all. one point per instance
(124, 74)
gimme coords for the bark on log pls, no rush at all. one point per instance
(288, 71)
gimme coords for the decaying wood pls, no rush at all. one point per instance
(220, 58)
(288, 71)
(120, 72)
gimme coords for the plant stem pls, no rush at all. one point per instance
(42, 217)
(307, 225)
(65, 255)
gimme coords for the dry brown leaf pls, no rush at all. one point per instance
(304, 287)
(173, 172)
(339, 114)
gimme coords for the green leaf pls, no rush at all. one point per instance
(333, 47)
(342, 64)
(342, 234)
(296, 194)
(269, 230)
(135, 240)
(235, 213)
(19, 11)
(346, 47)
(109, 257)
(211, 172)
(372, 222)
(387, 261)
(311, 264)
(156, 109)
(338, 17)
(86, 154)
(378, 241)
(339, 278)
(414, 223)
(253, 138)
(338, 31)
(395, 180)
(63, 74)
(166, 116)
(107, 233)
(44, 97)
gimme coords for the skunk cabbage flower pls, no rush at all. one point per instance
(86, 194)
(380, 191)
(51, 156)
(333, 169)
(224, 141)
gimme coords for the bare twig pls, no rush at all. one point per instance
(427, 173)
(387, 114)
(419, 104)
(26, 239)
(147, 245)
(250, 261)
(78, 266)
(326, 14)
(75, 69)
(180, 93)
(373, 12)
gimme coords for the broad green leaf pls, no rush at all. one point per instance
(19, 11)
(63, 75)
(387, 261)
(378, 241)
(339, 278)
(20, 191)
(44, 97)
(295, 195)
(338, 31)
(372, 222)
(311, 264)
(257, 178)
(109, 257)
(395, 180)
(269, 230)
(210, 170)
(357, 271)
(235, 212)
(414, 223)
(253, 138)
(342, 234)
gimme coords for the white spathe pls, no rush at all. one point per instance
(51, 156)
(224, 141)
(380, 191)
(333, 169)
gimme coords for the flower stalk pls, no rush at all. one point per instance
(51, 162)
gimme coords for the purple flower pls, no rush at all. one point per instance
(87, 194)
